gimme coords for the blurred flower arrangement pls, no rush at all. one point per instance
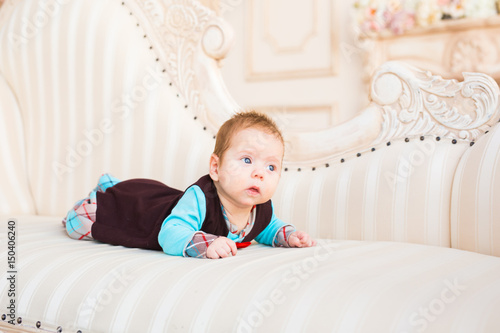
(398, 16)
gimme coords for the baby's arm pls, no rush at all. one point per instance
(180, 233)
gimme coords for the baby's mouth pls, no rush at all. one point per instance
(254, 190)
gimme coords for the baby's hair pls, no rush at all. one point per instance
(241, 121)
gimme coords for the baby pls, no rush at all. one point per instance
(221, 212)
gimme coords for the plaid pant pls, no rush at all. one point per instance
(79, 220)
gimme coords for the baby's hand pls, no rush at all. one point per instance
(222, 247)
(300, 239)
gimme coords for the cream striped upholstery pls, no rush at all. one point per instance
(475, 219)
(15, 195)
(339, 286)
(398, 192)
(120, 115)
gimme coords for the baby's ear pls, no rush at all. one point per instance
(214, 167)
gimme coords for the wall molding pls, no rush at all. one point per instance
(316, 36)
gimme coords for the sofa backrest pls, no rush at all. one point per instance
(475, 209)
(397, 192)
(105, 86)
(15, 194)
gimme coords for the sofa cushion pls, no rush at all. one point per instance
(475, 209)
(337, 286)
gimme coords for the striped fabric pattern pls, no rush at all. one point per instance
(15, 194)
(399, 192)
(107, 109)
(338, 286)
(475, 219)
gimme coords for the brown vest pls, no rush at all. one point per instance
(132, 212)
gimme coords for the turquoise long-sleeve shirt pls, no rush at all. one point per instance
(187, 218)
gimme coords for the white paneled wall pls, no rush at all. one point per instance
(296, 60)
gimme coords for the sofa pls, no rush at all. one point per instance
(402, 199)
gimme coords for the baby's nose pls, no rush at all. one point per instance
(258, 173)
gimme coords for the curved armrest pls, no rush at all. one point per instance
(405, 102)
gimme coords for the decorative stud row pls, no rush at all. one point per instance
(359, 154)
(38, 324)
(157, 59)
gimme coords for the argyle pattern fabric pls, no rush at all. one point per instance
(282, 236)
(199, 244)
(79, 220)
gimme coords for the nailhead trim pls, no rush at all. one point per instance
(157, 59)
(422, 138)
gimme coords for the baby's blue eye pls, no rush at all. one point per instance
(271, 167)
(246, 160)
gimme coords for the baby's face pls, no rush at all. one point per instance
(250, 170)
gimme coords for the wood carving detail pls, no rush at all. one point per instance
(472, 53)
(181, 26)
(415, 102)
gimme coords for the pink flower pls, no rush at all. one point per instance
(401, 22)
(372, 21)
(371, 26)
